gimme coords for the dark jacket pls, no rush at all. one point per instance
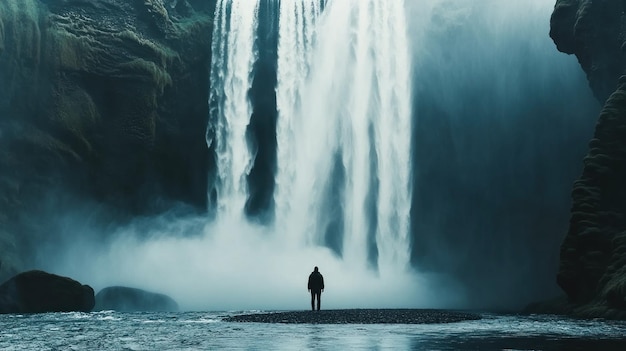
(316, 282)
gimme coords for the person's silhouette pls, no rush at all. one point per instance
(316, 286)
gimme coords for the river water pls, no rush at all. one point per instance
(208, 331)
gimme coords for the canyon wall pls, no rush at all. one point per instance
(592, 268)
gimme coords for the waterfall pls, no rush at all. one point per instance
(344, 116)
(296, 37)
(231, 77)
(343, 129)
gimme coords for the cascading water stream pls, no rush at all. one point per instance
(296, 40)
(344, 116)
(231, 76)
(343, 130)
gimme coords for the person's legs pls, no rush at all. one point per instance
(319, 295)
(312, 301)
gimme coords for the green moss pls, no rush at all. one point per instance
(156, 9)
(614, 291)
(157, 75)
(107, 53)
(93, 53)
(47, 142)
(76, 112)
(162, 54)
(194, 24)
(68, 49)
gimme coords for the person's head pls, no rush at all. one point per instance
(315, 269)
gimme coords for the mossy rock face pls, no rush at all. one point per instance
(128, 83)
(106, 100)
(593, 253)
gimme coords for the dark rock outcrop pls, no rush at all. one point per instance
(124, 299)
(592, 268)
(103, 100)
(593, 30)
(40, 292)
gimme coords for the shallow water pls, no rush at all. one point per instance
(207, 331)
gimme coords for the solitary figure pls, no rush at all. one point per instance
(316, 286)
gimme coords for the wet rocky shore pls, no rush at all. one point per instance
(358, 316)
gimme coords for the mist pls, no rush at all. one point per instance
(230, 264)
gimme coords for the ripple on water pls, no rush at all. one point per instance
(190, 331)
(109, 318)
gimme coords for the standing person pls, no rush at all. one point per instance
(316, 286)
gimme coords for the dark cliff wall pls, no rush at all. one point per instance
(100, 100)
(593, 255)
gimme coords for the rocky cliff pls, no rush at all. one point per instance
(104, 100)
(593, 255)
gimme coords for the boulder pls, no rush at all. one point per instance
(125, 299)
(41, 292)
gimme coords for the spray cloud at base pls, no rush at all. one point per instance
(233, 265)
